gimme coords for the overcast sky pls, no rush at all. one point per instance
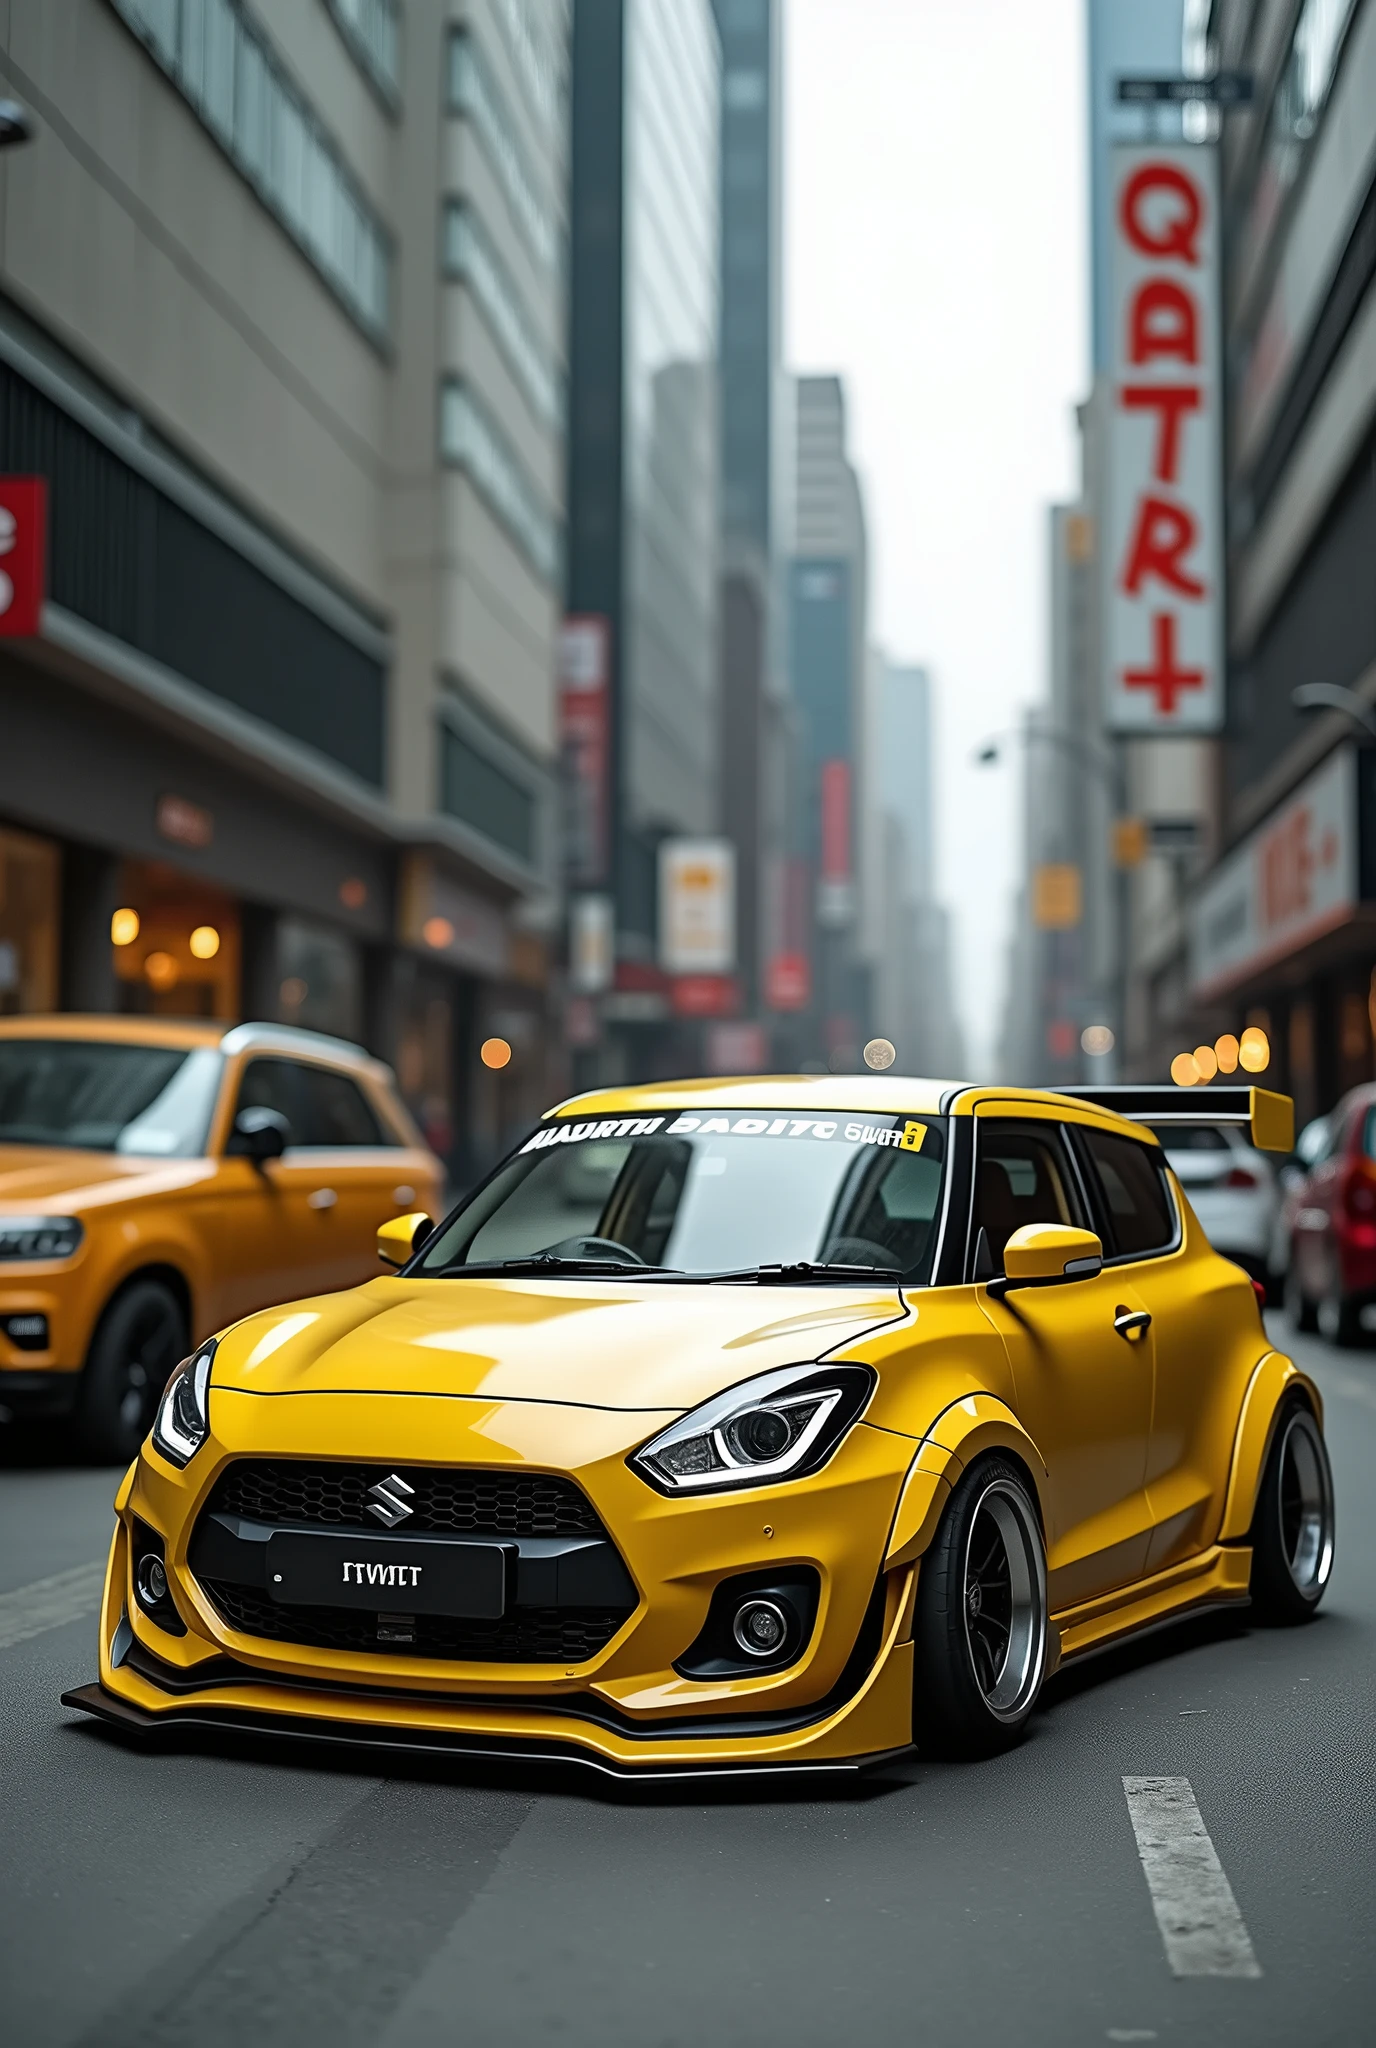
(936, 257)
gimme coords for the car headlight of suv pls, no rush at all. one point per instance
(39, 1237)
(182, 1423)
(782, 1425)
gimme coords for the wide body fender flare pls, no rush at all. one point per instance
(1273, 1381)
(966, 1430)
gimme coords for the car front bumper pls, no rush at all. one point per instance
(847, 1698)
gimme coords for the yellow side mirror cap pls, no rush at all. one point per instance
(397, 1239)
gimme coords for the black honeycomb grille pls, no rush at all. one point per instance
(446, 1501)
(526, 1635)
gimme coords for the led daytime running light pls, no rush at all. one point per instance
(183, 1419)
(779, 1426)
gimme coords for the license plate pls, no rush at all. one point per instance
(388, 1574)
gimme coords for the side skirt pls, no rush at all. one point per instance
(1220, 1576)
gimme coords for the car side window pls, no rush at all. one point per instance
(1131, 1184)
(1022, 1175)
(335, 1112)
(272, 1084)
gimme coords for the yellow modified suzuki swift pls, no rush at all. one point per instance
(729, 1425)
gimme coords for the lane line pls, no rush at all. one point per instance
(1193, 1901)
(50, 1603)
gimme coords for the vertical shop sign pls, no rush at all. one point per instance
(585, 745)
(697, 906)
(1163, 552)
(835, 894)
(23, 553)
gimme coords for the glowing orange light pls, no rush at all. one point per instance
(495, 1053)
(124, 927)
(1184, 1072)
(161, 969)
(205, 942)
(437, 932)
(1206, 1062)
(1226, 1051)
(1254, 1050)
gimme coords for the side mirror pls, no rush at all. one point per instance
(259, 1135)
(400, 1237)
(1047, 1255)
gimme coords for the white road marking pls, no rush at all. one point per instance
(1190, 1893)
(49, 1603)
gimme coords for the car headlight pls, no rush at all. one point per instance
(183, 1418)
(39, 1237)
(780, 1426)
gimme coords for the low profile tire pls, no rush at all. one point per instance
(980, 1626)
(1293, 1527)
(139, 1339)
(1300, 1310)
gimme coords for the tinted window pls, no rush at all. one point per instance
(699, 1193)
(271, 1084)
(147, 1100)
(1132, 1186)
(335, 1111)
(1023, 1176)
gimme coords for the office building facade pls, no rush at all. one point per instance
(281, 328)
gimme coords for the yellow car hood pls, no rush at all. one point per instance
(599, 1344)
(54, 1179)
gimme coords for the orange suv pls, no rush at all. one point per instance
(159, 1180)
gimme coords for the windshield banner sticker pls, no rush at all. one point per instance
(905, 1137)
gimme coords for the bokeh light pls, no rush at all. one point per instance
(205, 942)
(1225, 1052)
(1254, 1050)
(437, 932)
(1184, 1072)
(1097, 1039)
(495, 1053)
(1206, 1062)
(124, 927)
(161, 970)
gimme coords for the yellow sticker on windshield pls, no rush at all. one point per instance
(911, 1140)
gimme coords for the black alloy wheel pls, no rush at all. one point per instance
(1293, 1528)
(981, 1623)
(140, 1337)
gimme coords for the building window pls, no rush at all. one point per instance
(470, 256)
(473, 93)
(28, 924)
(527, 38)
(228, 72)
(469, 439)
(372, 30)
(474, 790)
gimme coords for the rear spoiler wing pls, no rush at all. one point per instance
(1269, 1117)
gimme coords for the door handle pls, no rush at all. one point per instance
(321, 1198)
(1131, 1323)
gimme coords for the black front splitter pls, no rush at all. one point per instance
(163, 1727)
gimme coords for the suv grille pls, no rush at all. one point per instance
(446, 1501)
(526, 1635)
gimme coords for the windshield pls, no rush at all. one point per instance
(147, 1100)
(750, 1194)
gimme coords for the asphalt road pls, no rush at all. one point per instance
(247, 1898)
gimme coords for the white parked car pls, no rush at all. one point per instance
(1232, 1189)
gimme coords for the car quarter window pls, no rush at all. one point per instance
(1022, 1175)
(271, 1084)
(336, 1112)
(1130, 1183)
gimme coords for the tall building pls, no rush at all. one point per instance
(293, 678)
(755, 438)
(828, 655)
(1280, 931)
(643, 458)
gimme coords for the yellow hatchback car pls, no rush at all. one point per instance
(729, 1425)
(159, 1180)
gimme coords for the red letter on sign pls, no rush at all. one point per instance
(1163, 322)
(1165, 534)
(1172, 401)
(1175, 235)
(1164, 677)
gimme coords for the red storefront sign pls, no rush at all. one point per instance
(836, 821)
(23, 554)
(788, 982)
(705, 995)
(585, 744)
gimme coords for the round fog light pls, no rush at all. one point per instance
(760, 1627)
(152, 1581)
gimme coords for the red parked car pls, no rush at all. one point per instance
(1331, 1283)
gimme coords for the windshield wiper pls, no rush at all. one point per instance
(807, 1269)
(550, 1262)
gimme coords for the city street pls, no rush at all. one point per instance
(203, 1898)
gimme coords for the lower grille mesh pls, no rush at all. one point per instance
(525, 1635)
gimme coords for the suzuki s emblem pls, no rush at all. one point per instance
(388, 1500)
